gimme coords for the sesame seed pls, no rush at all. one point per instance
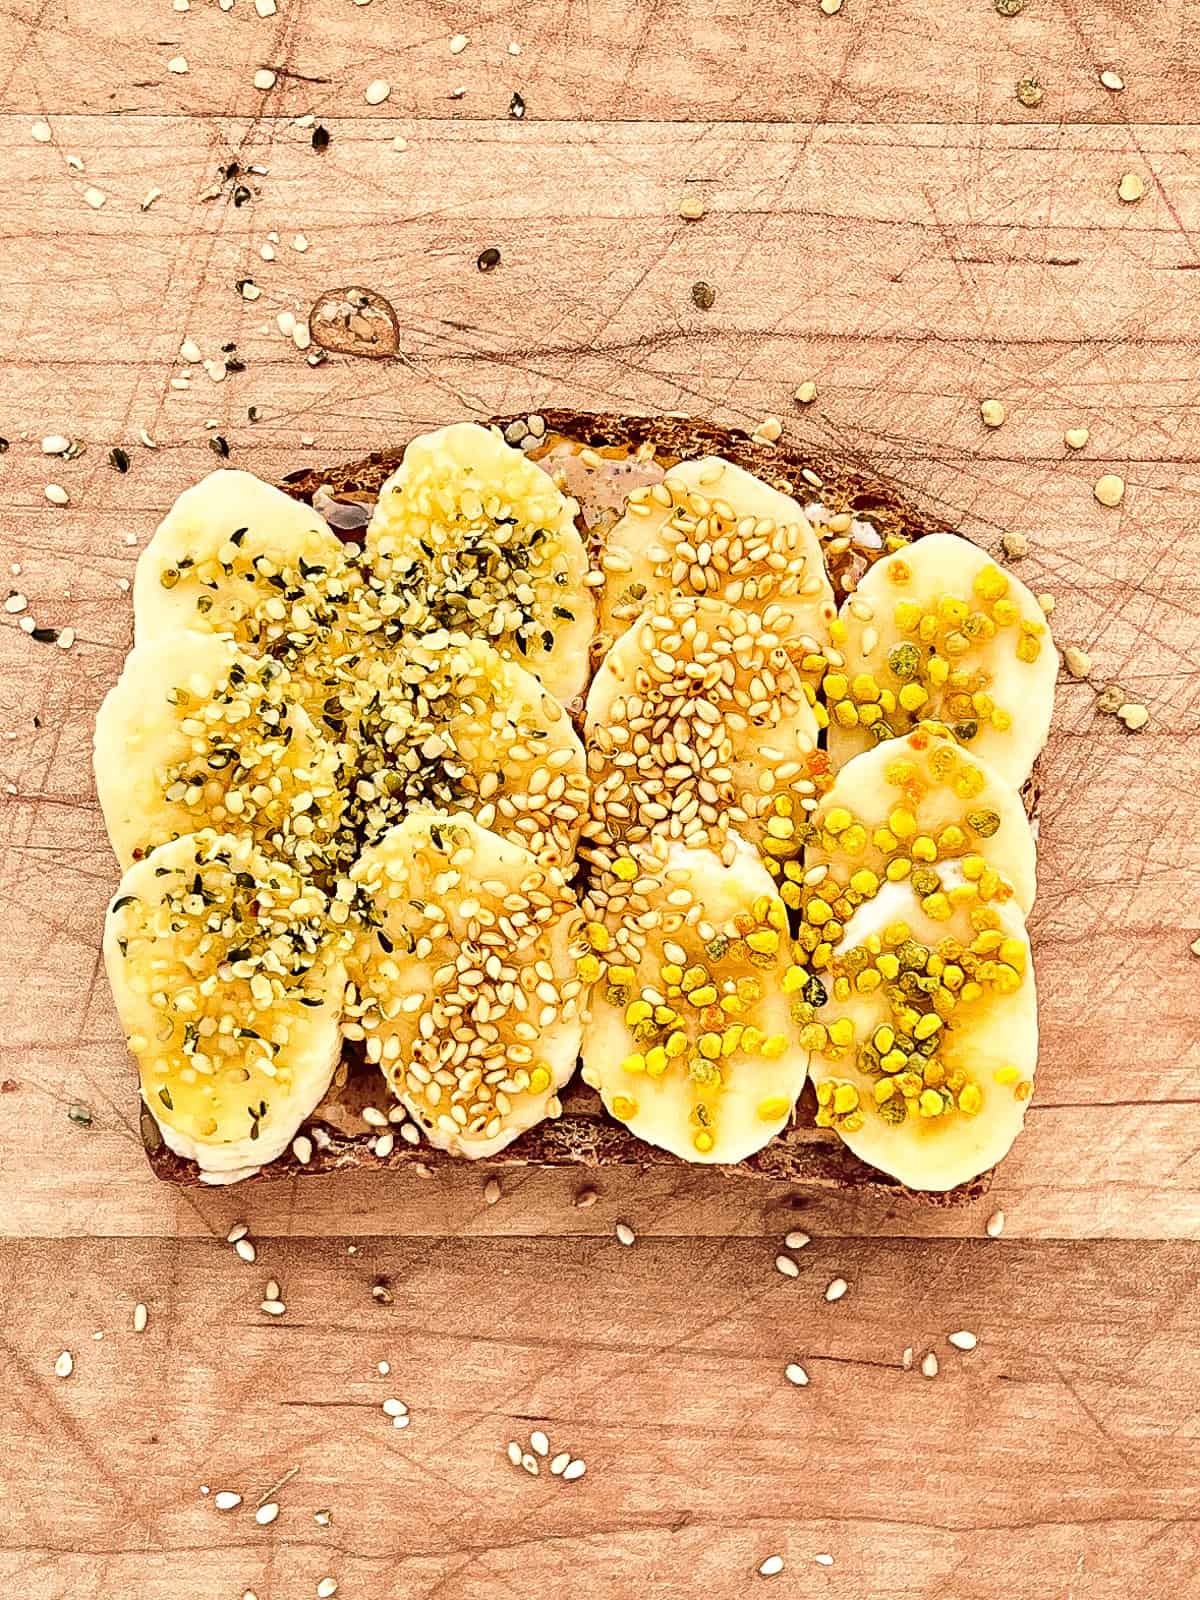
(377, 91)
(41, 132)
(373, 1117)
(530, 1464)
(586, 1198)
(514, 1452)
(227, 1500)
(273, 1308)
(691, 208)
(963, 1340)
(264, 78)
(771, 1567)
(573, 1470)
(787, 1266)
(177, 64)
(795, 1373)
(796, 1240)
(65, 1365)
(491, 1192)
(265, 1515)
(57, 495)
(140, 1318)
(326, 1587)
(271, 1292)
(394, 1408)
(1112, 80)
(929, 1365)
(836, 1289)
(300, 243)
(994, 1226)
(906, 1360)
(55, 444)
(823, 1560)
(246, 1250)
(266, 8)
(458, 44)
(238, 1231)
(539, 1443)
(625, 1234)
(560, 1463)
(302, 1149)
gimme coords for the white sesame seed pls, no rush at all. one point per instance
(266, 8)
(797, 1241)
(249, 289)
(302, 1149)
(140, 1318)
(771, 1567)
(373, 1117)
(301, 337)
(54, 444)
(795, 1373)
(264, 78)
(41, 132)
(384, 1145)
(823, 1560)
(322, 1518)
(227, 1500)
(994, 1226)
(66, 638)
(377, 91)
(151, 195)
(458, 44)
(394, 1408)
(189, 350)
(625, 1234)
(787, 1266)
(238, 1231)
(530, 1464)
(929, 1365)
(384, 1368)
(539, 1443)
(401, 1422)
(266, 1514)
(65, 1365)
(246, 1250)
(57, 495)
(514, 1452)
(271, 1292)
(906, 1360)
(491, 1191)
(273, 1308)
(573, 1470)
(836, 1289)
(964, 1340)
(560, 1463)
(177, 64)
(1112, 80)
(300, 243)
(327, 1586)
(267, 250)
(15, 603)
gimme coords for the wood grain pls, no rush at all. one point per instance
(882, 217)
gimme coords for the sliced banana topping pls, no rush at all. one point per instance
(237, 557)
(464, 985)
(921, 810)
(196, 734)
(938, 630)
(229, 982)
(489, 544)
(709, 528)
(690, 1042)
(698, 722)
(450, 723)
(924, 1052)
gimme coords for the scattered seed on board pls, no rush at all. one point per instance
(227, 1500)
(1194, 947)
(1078, 663)
(273, 1308)
(177, 64)
(625, 1234)
(1076, 438)
(994, 1226)
(586, 1198)
(1112, 80)
(1134, 716)
(806, 393)
(836, 1289)
(530, 1464)
(929, 1365)
(41, 132)
(266, 1514)
(906, 1360)
(238, 1231)
(1015, 545)
(992, 412)
(326, 1587)
(691, 208)
(573, 1470)
(65, 1365)
(514, 1452)
(1109, 489)
(377, 91)
(831, 7)
(560, 1463)
(264, 79)
(458, 44)
(140, 1318)
(57, 495)
(1131, 188)
(963, 1339)
(797, 1240)
(539, 1443)
(768, 431)
(823, 1560)
(491, 1191)
(394, 1408)
(795, 1373)
(787, 1266)
(246, 1250)
(771, 1567)
(1030, 92)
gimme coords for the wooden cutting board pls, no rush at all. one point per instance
(885, 218)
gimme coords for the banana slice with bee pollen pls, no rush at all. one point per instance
(700, 728)
(228, 979)
(489, 543)
(690, 1041)
(923, 1056)
(939, 630)
(238, 557)
(924, 810)
(464, 979)
(196, 734)
(710, 528)
(450, 723)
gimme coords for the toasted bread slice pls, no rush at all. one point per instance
(600, 458)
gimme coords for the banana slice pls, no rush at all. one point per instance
(938, 630)
(195, 734)
(690, 1041)
(911, 809)
(709, 528)
(466, 989)
(237, 557)
(924, 1056)
(699, 723)
(450, 723)
(229, 986)
(490, 544)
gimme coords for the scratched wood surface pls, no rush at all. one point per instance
(883, 217)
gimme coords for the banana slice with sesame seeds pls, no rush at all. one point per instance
(196, 734)
(922, 810)
(238, 557)
(938, 630)
(449, 722)
(710, 528)
(464, 983)
(228, 979)
(924, 1037)
(690, 1041)
(701, 727)
(489, 543)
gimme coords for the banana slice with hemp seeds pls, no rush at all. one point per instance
(489, 543)
(195, 734)
(924, 1037)
(938, 630)
(228, 977)
(701, 727)
(690, 1041)
(710, 528)
(921, 810)
(237, 557)
(450, 723)
(464, 984)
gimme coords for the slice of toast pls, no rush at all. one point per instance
(600, 458)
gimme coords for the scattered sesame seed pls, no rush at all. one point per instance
(929, 1365)
(823, 1560)
(530, 1464)
(245, 1250)
(1109, 489)
(515, 1452)
(771, 1567)
(539, 1443)
(1194, 947)
(373, 1117)
(1112, 80)
(377, 91)
(266, 8)
(458, 44)
(189, 350)
(573, 1470)
(806, 393)
(55, 444)
(15, 603)
(993, 412)
(302, 1149)
(65, 1365)
(95, 197)
(1076, 438)
(238, 1231)
(691, 208)
(797, 1240)
(264, 78)
(963, 1340)
(273, 1308)
(394, 1408)
(300, 243)
(586, 1198)
(266, 1514)
(560, 1463)
(384, 1145)
(248, 290)
(491, 1192)
(327, 1586)
(795, 1373)
(994, 1226)
(1131, 188)
(625, 1234)
(57, 495)
(831, 7)
(787, 1266)
(323, 1517)
(41, 132)
(177, 64)
(140, 1318)
(227, 1500)
(836, 1289)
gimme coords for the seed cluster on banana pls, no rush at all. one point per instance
(344, 786)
